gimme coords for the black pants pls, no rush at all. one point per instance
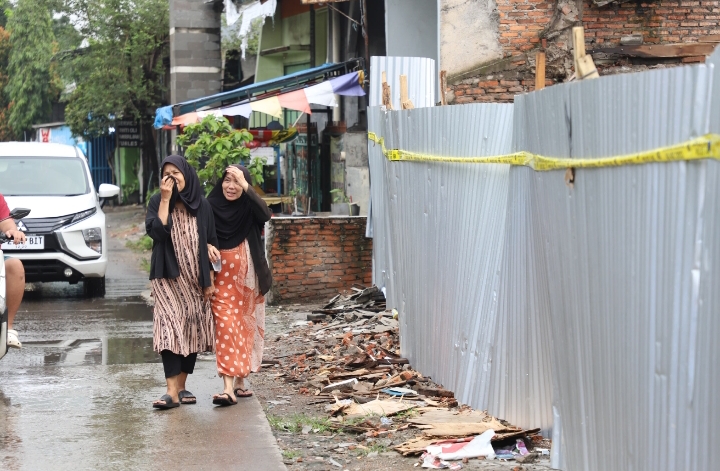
(175, 364)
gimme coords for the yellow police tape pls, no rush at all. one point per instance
(706, 147)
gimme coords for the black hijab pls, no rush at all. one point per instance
(191, 195)
(233, 219)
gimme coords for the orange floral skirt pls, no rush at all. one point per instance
(239, 312)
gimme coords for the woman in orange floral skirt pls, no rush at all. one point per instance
(239, 304)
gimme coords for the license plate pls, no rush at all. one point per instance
(31, 243)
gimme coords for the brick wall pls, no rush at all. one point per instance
(312, 259)
(526, 26)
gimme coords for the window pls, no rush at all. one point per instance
(42, 176)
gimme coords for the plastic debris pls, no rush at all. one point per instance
(478, 446)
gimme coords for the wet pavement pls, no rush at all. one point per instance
(78, 395)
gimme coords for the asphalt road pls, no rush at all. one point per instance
(78, 395)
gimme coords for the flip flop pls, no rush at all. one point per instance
(239, 392)
(169, 404)
(224, 401)
(184, 394)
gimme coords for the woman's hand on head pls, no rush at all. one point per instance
(166, 188)
(239, 176)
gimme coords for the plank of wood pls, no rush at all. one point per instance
(386, 97)
(438, 416)
(405, 102)
(377, 407)
(660, 51)
(462, 430)
(539, 71)
(578, 38)
(443, 87)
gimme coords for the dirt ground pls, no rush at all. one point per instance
(300, 422)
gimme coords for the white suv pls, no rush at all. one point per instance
(66, 235)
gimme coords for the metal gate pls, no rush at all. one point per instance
(100, 150)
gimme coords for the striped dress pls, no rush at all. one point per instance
(182, 320)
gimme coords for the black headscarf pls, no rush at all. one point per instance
(191, 195)
(233, 219)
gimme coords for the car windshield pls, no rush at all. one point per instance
(42, 176)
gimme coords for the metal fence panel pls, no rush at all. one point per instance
(421, 89)
(621, 249)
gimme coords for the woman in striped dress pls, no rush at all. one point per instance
(239, 304)
(181, 224)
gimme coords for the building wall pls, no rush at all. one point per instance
(195, 60)
(526, 26)
(411, 28)
(290, 31)
(312, 259)
(468, 34)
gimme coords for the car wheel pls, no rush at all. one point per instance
(94, 287)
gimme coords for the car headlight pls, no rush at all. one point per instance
(93, 238)
(83, 215)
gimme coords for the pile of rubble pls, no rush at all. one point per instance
(347, 356)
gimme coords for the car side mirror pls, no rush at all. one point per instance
(19, 213)
(108, 191)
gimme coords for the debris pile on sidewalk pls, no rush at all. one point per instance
(349, 360)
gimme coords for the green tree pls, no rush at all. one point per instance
(31, 86)
(211, 145)
(120, 74)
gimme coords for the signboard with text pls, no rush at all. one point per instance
(128, 134)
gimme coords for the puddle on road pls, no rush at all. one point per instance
(105, 351)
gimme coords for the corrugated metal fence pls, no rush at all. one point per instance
(527, 296)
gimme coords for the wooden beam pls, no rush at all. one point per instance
(405, 103)
(443, 87)
(584, 65)
(386, 97)
(660, 51)
(539, 71)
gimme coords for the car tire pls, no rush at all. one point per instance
(94, 287)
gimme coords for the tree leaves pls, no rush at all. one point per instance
(211, 146)
(120, 73)
(31, 87)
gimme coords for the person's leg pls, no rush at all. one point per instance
(227, 388)
(14, 286)
(172, 364)
(187, 366)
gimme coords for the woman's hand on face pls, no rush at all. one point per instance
(213, 254)
(239, 176)
(166, 188)
(208, 292)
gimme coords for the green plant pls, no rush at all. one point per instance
(145, 264)
(211, 146)
(143, 244)
(296, 422)
(291, 454)
(294, 192)
(256, 170)
(374, 448)
(339, 196)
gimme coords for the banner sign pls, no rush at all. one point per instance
(128, 134)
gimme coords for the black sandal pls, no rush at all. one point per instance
(224, 401)
(169, 404)
(184, 394)
(240, 392)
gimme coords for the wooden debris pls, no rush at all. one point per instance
(405, 102)
(443, 87)
(584, 65)
(381, 407)
(386, 96)
(539, 71)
